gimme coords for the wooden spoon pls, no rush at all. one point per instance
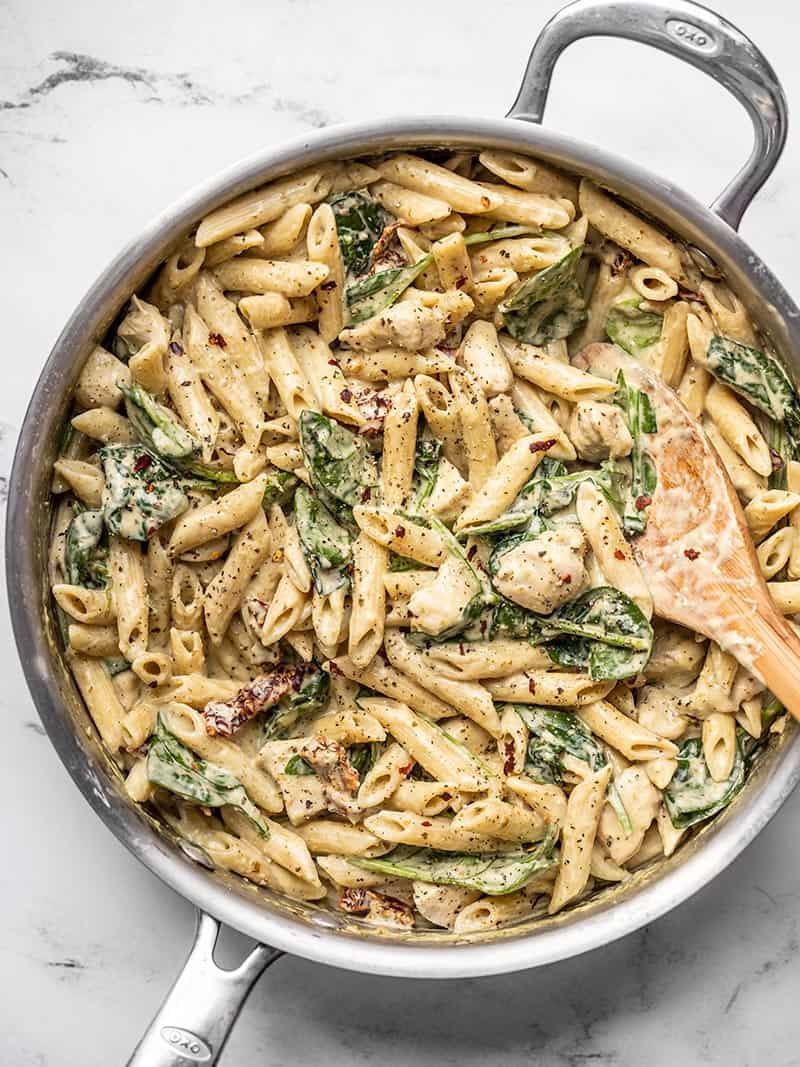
(696, 553)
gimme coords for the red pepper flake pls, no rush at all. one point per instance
(334, 668)
(217, 339)
(142, 463)
(472, 552)
(461, 649)
(366, 495)
(566, 579)
(333, 362)
(542, 446)
(447, 796)
(486, 202)
(150, 487)
(619, 554)
(175, 348)
(346, 395)
(643, 501)
(400, 531)
(407, 768)
(691, 553)
(508, 766)
(531, 685)
(426, 823)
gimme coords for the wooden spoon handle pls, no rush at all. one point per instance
(779, 661)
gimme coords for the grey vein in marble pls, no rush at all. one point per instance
(180, 88)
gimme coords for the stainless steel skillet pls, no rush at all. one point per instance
(192, 1025)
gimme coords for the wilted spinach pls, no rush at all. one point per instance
(85, 561)
(493, 874)
(326, 545)
(551, 735)
(360, 221)
(312, 696)
(602, 632)
(759, 378)
(161, 433)
(692, 795)
(374, 293)
(547, 306)
(173, 766)
(641, 420)
(632, 327)
(280, 488)
(343, 472)
(426, 468)
(297, 766)
(140, 493)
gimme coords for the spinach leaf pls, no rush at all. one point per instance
(551, 489)
(509, 620)
(364, 756)
(156, 426)
(116, 666)
(493, 874)
(426, 467)
(326, 544)
(370, 295)
(641, 420)
(692, 795)
(140, 493)
(85, 561)
(398, 564)
(312, 696)
(173, 766)
(162, 434)
(360, 221)
(204, 477)
(759, 378)
(343, 472)
(280, 488)
(547, 306)
(298, 766)
(604, 632)
(373, 294)
(552, 734)
(633, 328)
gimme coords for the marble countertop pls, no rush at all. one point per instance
(108, 113)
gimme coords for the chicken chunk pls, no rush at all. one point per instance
(378, 908)
(546, 572)
(412, 324)
(406, 326)
(599, 431)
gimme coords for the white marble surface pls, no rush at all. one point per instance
(111, 111)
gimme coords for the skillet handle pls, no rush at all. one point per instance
(193, 1024)
(697, 36)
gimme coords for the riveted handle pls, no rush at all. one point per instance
(691, 33)
(193, 1024)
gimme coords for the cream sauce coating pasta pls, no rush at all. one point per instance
(321, 507)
